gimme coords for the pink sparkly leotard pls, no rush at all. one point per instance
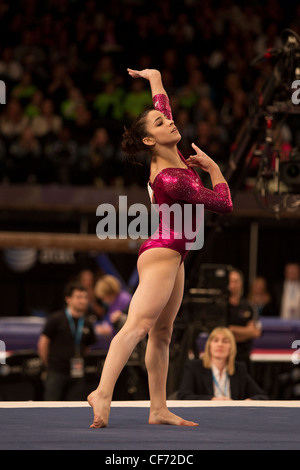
(181, 186)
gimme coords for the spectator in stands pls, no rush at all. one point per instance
(217, 376)
(91, 47)
(25, 89)
(82, 126)
(87, 279)
(63, 153)
(47, 124)
(187, 130)
(11, 70)
(101, 156)
(243, 318)
(136, 100)
(73, 41)
(109, 39)
(202, 109)
(63, 346)
(187, 95)
(182, 32)
(27, 51)
(209, 138)
(259, 295)
(108, 104)
(287, 293)
(34, 107)
(69, 106)
(24, 155)
(114, 302)
(13, 121)
(104, 71)
(60, 84)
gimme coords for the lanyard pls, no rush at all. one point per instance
(223, 392)
(77, 334)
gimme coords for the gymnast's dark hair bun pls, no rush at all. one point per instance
(132, 139)
(131, 142)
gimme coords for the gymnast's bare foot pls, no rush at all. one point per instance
(101, 408)
(166, 417)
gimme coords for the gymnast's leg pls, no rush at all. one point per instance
(157, 357)
(157, 270)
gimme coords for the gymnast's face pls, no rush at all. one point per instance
(160, 130)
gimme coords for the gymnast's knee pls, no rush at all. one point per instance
(139, 329)
(161, 336)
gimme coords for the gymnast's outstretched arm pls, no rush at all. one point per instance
(154, 77)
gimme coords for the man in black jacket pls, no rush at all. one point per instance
(63, 345)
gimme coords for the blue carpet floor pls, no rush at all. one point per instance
(220, 428)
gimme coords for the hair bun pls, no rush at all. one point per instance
(128, 143)
(132, 139)
(131, 145)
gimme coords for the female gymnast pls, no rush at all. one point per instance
(157, 299)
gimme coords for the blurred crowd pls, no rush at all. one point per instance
(68, 95)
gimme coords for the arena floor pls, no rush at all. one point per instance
(244, 425)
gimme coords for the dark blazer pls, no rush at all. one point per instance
(197, 383)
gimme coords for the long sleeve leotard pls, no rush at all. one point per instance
(181, 186)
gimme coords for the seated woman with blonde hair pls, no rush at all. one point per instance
(217, 376)
(114, 301)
